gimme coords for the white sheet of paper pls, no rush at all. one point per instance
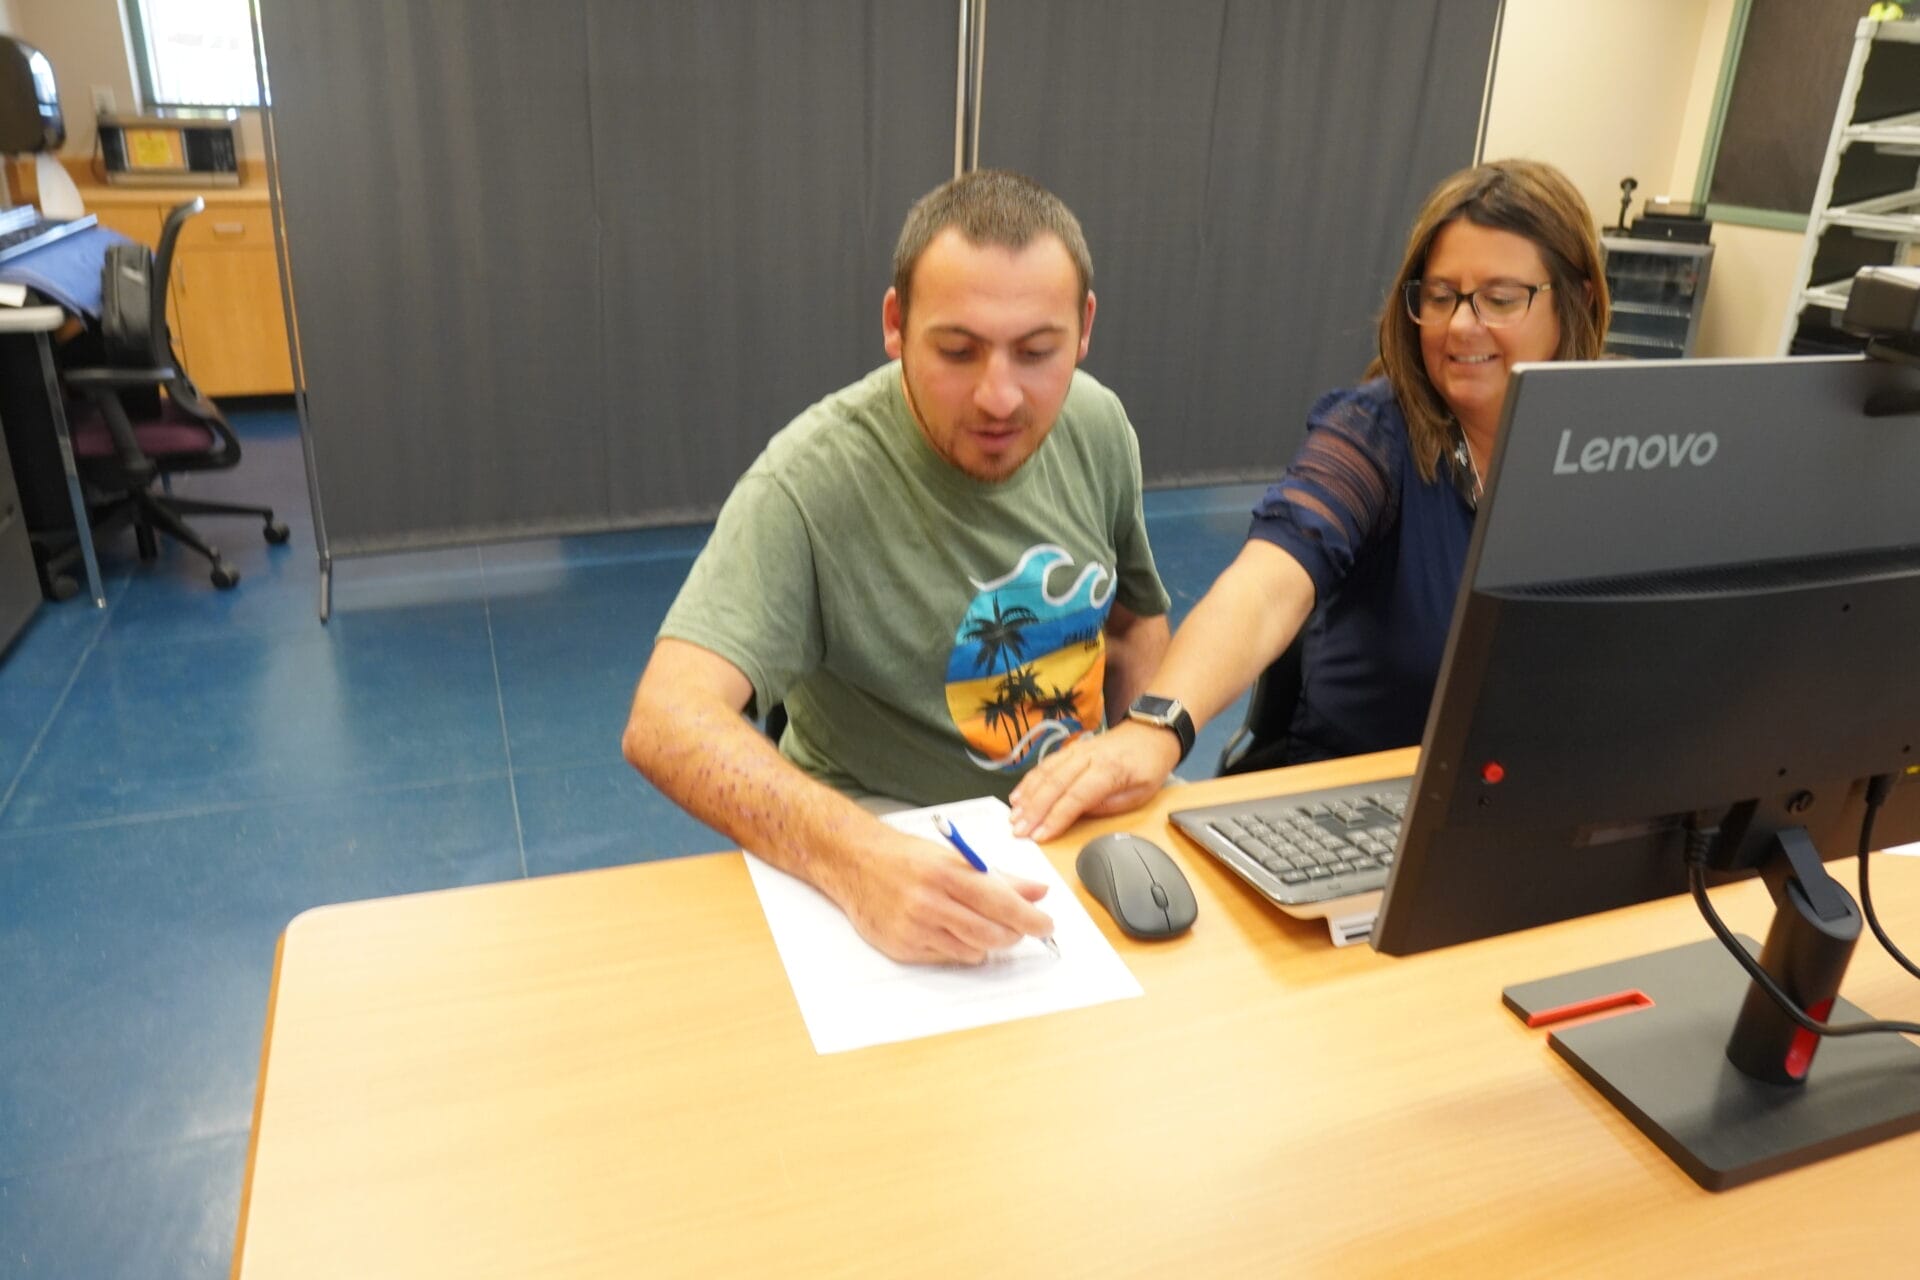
(851, 996)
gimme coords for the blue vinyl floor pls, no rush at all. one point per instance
(184, 771)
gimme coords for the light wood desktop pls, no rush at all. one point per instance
(605, 1074)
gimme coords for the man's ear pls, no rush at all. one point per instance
(893, 323)
(1086, 328)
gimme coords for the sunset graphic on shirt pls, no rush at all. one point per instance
(1029, 659)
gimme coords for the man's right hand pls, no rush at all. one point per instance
(922, 903)
(1101, 773)
(913, 899)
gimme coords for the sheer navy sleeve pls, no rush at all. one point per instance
(1342, 490)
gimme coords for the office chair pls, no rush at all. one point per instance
(1261, 740)
(139, 419)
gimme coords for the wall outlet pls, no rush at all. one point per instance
(102, 100)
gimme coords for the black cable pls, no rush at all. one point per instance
(1877, 791)
(1697, 882)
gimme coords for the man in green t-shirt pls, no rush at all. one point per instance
(942, 573)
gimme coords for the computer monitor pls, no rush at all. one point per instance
(1690, 615)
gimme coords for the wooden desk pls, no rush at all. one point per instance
(605, 1074)
(224, 303)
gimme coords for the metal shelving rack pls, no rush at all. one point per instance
(1659, 289)
(1866, 207)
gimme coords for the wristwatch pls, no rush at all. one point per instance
(1167, 714)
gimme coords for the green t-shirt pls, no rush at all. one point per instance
(931, 635)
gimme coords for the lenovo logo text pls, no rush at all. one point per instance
(1635, 453)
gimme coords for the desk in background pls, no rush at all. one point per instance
(33, 414)
(225, 306)
(19, 584)
(605, 1074)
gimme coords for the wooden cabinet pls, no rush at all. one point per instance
(230, 321)
(138, 223)
(224, 305)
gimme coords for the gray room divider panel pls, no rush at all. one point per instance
(1246, 171)
(748, 242)
(564, 265)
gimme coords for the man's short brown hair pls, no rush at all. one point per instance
(989, 207)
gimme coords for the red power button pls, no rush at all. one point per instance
(1492, 771)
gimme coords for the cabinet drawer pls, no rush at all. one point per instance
(229, 226)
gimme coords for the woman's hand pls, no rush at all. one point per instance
(1101, 773)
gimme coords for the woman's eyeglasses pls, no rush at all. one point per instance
(1497, 305)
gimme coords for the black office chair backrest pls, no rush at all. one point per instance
(163, 274)
(1261, 740)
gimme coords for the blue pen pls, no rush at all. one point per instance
(952, 833)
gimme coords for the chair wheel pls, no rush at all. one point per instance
(63, 587)
(224, 575)
(276, 532)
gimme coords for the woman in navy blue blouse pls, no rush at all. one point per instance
(1364, 538)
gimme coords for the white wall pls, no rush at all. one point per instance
(1600, 90)
(86, 40)
(1755, 273)
(1627, 87)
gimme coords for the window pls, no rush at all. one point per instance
(194, 53)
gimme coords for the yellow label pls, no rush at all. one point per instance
(155, 149)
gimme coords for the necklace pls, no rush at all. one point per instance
(1466, 476)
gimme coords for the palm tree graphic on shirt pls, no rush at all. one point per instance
(1028, 657)
(1000, 642)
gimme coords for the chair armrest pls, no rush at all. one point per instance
(119, 377)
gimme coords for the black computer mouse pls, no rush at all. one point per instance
(1139, 885)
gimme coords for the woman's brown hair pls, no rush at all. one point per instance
(1525, 197)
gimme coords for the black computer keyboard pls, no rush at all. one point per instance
(23, 230)
(1309, 847)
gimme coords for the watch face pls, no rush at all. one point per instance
(1149, 705)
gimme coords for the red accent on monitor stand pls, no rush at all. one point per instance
(1800, 1052)
(1616, 1002)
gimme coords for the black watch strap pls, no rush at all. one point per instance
(1165, 713)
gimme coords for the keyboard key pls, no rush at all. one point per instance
(1317, 846)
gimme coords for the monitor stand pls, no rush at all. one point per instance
(1664, 1065)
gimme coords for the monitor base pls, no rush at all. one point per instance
(1665, 1067)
